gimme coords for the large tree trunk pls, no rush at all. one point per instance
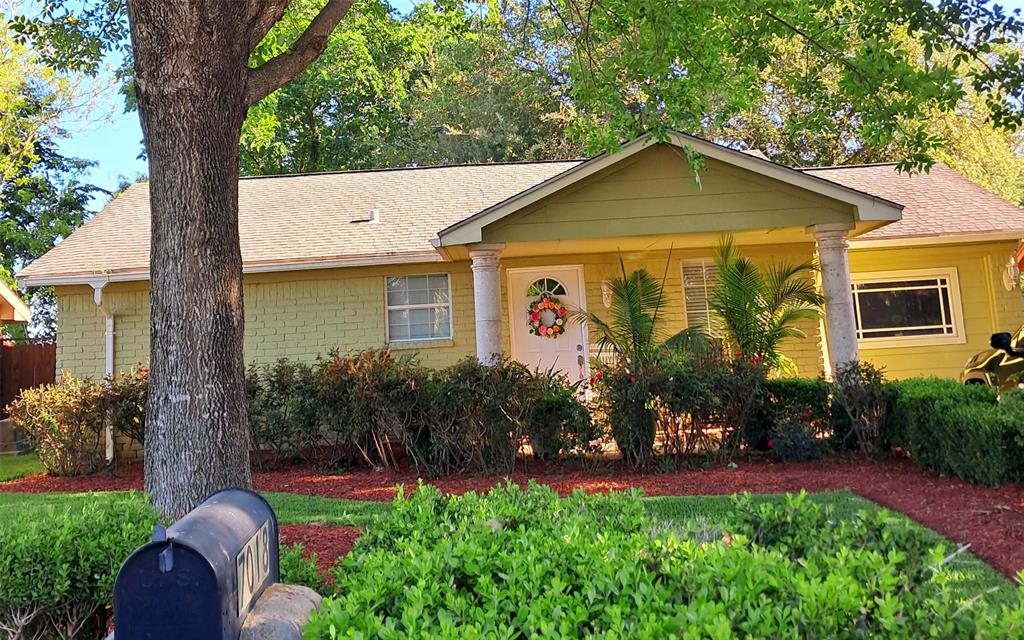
(190, 62)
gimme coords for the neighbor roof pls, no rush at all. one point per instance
(938, 203)
(11, 306)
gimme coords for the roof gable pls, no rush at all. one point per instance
(11, 306)
(866, 207)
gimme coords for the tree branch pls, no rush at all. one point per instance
(264, 16)
(276, 72)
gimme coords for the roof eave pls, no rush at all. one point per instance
(98, 279)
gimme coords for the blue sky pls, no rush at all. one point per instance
(115, 145)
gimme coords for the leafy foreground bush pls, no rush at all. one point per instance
(57, 568)
(521, 564)
(961, 430)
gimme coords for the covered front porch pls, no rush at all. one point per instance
(646, 207)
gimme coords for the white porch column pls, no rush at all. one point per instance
(487, 300)
(833, 253)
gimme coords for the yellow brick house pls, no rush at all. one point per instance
(445, 261)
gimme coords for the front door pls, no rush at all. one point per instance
(542, 334)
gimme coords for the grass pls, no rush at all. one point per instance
(972, 576)
(19, 466)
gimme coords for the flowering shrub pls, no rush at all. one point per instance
(65, 422)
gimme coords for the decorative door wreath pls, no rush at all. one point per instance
(547, 316)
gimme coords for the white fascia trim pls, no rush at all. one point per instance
(94, 280)
(950, 238)
(868, 207)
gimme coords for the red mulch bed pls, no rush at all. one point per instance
(327, 542)
(990, 519)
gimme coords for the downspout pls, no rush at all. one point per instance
(108, 356)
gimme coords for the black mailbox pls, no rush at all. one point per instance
(201, 577)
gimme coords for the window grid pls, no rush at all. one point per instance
(442, 308)
(939, 284)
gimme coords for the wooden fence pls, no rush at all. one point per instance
(23, 366)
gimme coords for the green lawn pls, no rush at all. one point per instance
(19, 466)
(973, 576)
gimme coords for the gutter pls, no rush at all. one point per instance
(108, 354)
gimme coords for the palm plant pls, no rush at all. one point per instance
(759, 309)
(635, 330)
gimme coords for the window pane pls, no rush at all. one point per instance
(398, 291)
(398, 325)
(698, 281)
(910, 308)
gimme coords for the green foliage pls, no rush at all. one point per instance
(518, 564)
(707, 400)
(65, 423)
(961, 430)
(759, 309)
(794, 402)
(881, 67)
(789, 442)
(442, 85)
(59, 566)
(127, 394)
(559, 423)
(282, 413)
(297, 568)
(635, 332)
(860, 391)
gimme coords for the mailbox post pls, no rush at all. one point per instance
(201, 577)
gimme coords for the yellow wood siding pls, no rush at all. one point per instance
(987, 306)
(655, 193)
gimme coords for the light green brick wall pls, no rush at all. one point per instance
(296, 315)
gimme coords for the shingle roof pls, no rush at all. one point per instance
(938, 203)
(302, 218)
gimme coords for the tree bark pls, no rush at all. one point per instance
(190, 65)
(194, 86)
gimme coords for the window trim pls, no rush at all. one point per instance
(388, 308)
(956, 313)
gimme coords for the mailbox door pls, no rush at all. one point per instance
(184, 602)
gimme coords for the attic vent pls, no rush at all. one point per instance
(373, 218)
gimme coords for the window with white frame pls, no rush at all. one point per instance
(699, 279)
(908, 307)
(419, 308)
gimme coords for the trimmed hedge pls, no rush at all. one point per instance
(57, 568)
(960, 430)
(523, 564)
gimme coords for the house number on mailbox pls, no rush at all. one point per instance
(252, 565)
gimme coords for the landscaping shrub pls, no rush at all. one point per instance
(522, 563)
(860, 391)
(367, 401)
(961, 430)
(804, 402)
(283, 413)
(127, 393)
(298, 569)
(627, 398)
(559, 424)
(708, 399)
(57, 568)
(790, 441)
(65, 422)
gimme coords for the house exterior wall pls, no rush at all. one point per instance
(987, 305)
(299, 315)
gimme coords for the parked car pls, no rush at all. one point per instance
(1001, 365)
